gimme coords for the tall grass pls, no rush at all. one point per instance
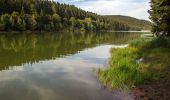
(125, 71)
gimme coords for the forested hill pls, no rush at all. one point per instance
(48, 15)
(133, 23)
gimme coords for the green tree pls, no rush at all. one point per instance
(51, 15)
(14, 18)
(65, 22)
(32, 9)
(31, 23)
(160, 15)
(5, 22)
(72, 23)
(56, 21)
(20, 25)
(40, 24)
(53, 8)
(89, 23)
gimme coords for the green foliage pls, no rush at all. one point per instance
(5, 22)
(72, 23)
(159, 14)
(20, 25)
(127, 23)
(160, 42)
(126, 71)
(138, 43)
(14, 19)
(56, 18)
(49, 15)
(31, 23)
(89, 23)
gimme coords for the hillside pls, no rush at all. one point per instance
(45, 15)
(133, 23)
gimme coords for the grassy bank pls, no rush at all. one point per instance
(143, 62)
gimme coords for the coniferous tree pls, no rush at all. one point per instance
(160, 15)
(50, 15)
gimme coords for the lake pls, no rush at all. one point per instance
(56, 66)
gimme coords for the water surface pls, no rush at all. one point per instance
(56, 66)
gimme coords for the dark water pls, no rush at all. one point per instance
(56, 66)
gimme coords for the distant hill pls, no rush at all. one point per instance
(48, 15)
(133, 23)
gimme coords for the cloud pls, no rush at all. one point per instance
(134, 8)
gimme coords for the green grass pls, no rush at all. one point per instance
(125, 71)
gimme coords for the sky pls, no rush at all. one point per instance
(133, 8)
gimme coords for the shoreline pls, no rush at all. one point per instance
(143, 31)
(150, 80)
(28, 31)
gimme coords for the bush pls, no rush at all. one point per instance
(160, 42)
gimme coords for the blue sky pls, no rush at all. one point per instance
(134, 8)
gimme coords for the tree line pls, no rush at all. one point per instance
(130, 23)
(21, 15)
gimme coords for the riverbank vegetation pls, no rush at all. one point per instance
(46, 15)
(143, 62)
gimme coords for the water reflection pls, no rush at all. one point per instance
(55, 66)
(18, 49)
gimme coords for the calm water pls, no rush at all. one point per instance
(56, 66)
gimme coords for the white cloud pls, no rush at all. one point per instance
(134, 8)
